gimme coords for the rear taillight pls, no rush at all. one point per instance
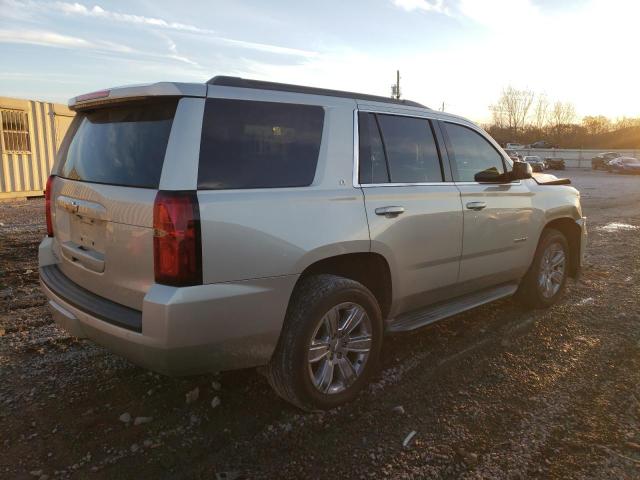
(47, 205)
(177, 248)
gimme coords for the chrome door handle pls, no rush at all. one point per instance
(389, 211)
(476, 205)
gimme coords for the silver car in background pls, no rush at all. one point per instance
(203, 227)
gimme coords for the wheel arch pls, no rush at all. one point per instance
(368, 268)
(572, 232)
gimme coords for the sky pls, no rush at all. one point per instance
(458, 52)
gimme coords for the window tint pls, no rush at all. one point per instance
(120, 145)
(411, 149)
(472, 154)
(373, 164)
(259, 144)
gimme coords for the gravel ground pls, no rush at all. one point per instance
(497, 392)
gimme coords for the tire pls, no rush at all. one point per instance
(530, 292)
(292, 374)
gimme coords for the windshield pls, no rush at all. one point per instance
(123, 145)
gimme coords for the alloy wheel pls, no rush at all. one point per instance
(552, 270)
(339, 348)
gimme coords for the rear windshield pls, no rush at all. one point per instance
(122, 145)
(250, 144)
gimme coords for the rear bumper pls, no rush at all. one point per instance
(187, 330)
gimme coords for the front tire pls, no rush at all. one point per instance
(546, 279)
(329, 345)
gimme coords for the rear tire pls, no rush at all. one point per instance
(546, 279)
(317, 365)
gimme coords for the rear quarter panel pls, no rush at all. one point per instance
(256, 233)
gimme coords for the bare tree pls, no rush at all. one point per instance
(512, 108)
(541, 112)
(596, 125)
(562, 113)
(627, 122)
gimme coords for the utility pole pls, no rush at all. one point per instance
(395, 89)
(442, 110)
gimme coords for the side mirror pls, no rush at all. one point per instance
(488, 176)
(521, 171)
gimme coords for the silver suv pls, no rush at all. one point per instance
(205, 227)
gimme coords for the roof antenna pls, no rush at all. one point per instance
(395, 89)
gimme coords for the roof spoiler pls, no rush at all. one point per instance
(132, 93)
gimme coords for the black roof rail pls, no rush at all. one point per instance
(225, 81)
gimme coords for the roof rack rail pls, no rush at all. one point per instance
(225, 81)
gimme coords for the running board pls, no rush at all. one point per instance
(420, 318)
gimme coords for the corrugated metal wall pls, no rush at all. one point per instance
(25, 174)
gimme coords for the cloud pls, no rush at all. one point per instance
(173, 51)
(264, 47)
(98, 11)
(158, 23)
(424, 5)
(53, 39)
(498, 13)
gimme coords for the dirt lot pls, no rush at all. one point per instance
(497, 392)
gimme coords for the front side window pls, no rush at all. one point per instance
(247, 144)
(471, 154)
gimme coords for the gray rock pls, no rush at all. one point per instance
(141, 420)
(125, 417)
(399, 409)
(215, 402)
(192, 396)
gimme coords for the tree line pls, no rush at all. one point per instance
(525, 116)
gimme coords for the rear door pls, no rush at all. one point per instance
(108, 175)
(413, 209)
(497, 216)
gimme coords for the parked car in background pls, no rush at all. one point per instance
(601, 161)
(537, 164)
(513, 155)
(541, 144)
(204, 227)
(625, 165)
(554, 163)
(514, 146)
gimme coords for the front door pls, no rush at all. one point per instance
(496, 243)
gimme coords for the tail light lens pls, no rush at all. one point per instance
(177, 247)
(47, 205)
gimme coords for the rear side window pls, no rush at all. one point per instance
(397, 149)
(122, 145)
(472, 154)
(248, 144)
(373, 164)
(411, 149)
